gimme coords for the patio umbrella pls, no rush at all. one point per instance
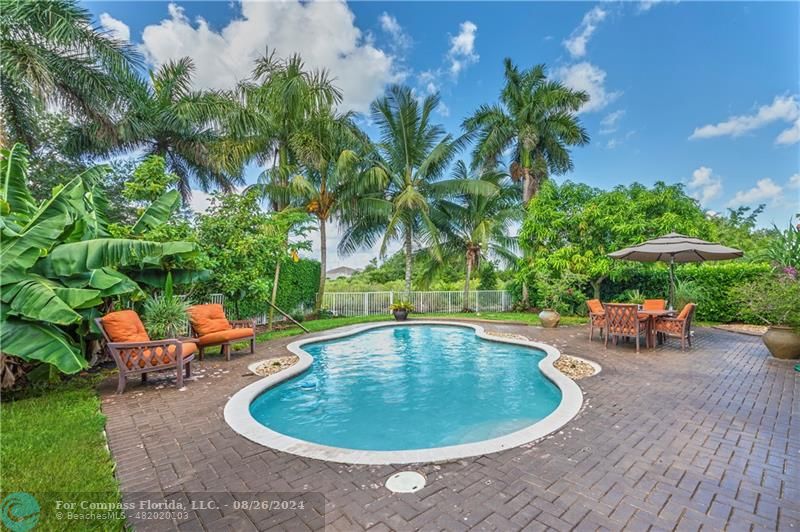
(674, 248)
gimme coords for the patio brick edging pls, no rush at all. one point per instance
(237, 410)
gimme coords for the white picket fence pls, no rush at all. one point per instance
(369, 303)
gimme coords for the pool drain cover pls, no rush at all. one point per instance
(405, 482)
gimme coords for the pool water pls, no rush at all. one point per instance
(410, 387)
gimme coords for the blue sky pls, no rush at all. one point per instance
(707, 94)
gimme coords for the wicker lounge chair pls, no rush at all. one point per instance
(597, 317)
(624, 320)
(679, 327)
(210, 327)
(134, 352)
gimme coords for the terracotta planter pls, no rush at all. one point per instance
(782, 342)
(550, 318)
(400, 315)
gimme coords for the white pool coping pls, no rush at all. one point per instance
(237, 410)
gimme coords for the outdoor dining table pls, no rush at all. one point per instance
(653, 315)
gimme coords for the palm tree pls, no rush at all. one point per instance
(474, 227)
(536, 120)
(52, 55)
(189, 129)
(330, 148)
(281, 96)
(410, 158)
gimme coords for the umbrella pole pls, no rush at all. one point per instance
(672, 282)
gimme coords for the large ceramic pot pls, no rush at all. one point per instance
(400, 314)
(550, 318)
(782, 342)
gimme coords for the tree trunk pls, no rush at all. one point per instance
(323, 260)
(275, 281)
(529, 186)
(409, 249)
(596, 286)
(465, 300)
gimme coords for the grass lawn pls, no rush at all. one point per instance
(529, 318)
(52, 441)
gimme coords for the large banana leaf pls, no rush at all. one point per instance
(36, 299)
(77, 257)
(108, 281)
(14, 193)
(158, 212)
(17, 254)
(35, 341)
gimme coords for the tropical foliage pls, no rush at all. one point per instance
(53, 55)
(59, 265)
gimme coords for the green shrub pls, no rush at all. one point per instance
(488, 276)
(299, 284)
(164, 317)
(716, 282)
(776, 302)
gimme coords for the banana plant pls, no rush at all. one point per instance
(59, 267)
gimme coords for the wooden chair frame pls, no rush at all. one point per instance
(226, 345)
(158, 351)
(623, 320)
(677, 327)
(596, 319)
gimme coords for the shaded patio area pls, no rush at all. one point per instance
(665, 439)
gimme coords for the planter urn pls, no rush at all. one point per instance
(400, 315)
(550, 318)
(782, 342)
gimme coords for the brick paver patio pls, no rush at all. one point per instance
(709, 439)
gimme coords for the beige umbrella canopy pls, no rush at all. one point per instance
(674, 248)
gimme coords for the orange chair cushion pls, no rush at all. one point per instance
(207, 319)
(124, 326)
(157, 356)
(685, 311)
(221, 337)
(654, 304)
(595, 306)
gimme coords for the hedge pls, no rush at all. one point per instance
(298, 285)
(716, 280)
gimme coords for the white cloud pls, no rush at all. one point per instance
(782, 109)
(117, 28)
(200, 201)
(794, 181)
(590, 78)
(576, 44)
(462, 48)
(765, 190)
(704, 186)
(443, 110)
(400, 39)
(647, 5)
(791, 135)
(610, 123)
(323, 33)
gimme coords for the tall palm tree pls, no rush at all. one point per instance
(330, 149)
(279, 99)
(474, 227)
(189, 129)
(535, 119)
(411, 156)
(51, 54)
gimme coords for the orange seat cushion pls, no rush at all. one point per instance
(654, 304)
(222, 337)
(207, 319)
(685, 311)
(595, 306)
(124, 326)
(157, 356)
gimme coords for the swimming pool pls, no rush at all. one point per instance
(397, 393)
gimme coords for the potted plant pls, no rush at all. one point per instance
(401, 310)
(775, 302)
(558, 295)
